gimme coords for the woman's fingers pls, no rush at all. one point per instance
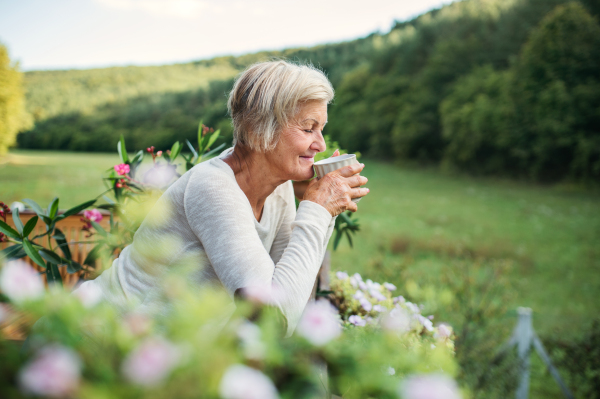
(336, 153)
(351, 170)
(356, 180)
(358, 192)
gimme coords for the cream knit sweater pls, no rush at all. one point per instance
(204, 223)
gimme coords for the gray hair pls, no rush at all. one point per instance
(266, 95)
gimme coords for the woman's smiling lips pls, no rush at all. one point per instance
(311, 159)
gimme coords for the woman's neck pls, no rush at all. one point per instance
(254, 175)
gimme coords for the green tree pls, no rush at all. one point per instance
(557, 95)
(476, 117)
(12, 101)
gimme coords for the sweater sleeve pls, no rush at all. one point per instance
(220, 215)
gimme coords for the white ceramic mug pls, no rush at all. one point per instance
(327, 165)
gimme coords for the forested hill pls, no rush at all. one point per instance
(488, 86)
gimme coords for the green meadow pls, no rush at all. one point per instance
(416, 226)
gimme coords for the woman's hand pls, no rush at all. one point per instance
(335, 190)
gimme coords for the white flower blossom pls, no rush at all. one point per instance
(412, 307)
(428, 386)
(444, 331)
(377, 294)
(425, 322)
(20, 282)
(89, 294)
(319, 323)
(366, 305)
(249, 335)
(358, 295)
(54, 372)
(391, 370)
(398, 319)
(379, 308)
(243, 382)
(399, 299)
(151, 362)
(341, 275)
(389, 286)
(357, 320)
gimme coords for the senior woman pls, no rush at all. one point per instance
(234, 217)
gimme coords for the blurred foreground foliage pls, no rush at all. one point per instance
(485, 86)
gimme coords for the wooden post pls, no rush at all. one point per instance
(524, 332)
(537, 344)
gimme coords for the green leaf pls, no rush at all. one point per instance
(212, 139)
(53, 275)
(166, 156)
(53, 208)
(175, 149)
(34, 205)
(138, 157)
(32, 253)
(191, 147)
(47, 220)
(122, 151)
(336, 240)
(13, 252)
(349, 238)
(29, 226)
(9, 231)
(94, 254)
(73, 267)
(61, 240)
(78, 208)
(17, 220)
(99, 229)
(50, 256)
(214, 150)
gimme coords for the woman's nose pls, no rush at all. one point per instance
(319, 142)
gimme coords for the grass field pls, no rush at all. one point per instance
(414, 224)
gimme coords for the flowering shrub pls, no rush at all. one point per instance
(83, 347)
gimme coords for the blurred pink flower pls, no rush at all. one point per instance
(137, 323)
(243, 382)
(122, 169)
(54, 372)
(20, 282)
(319, 323)
(151, 362)
(429, 386)
(269, 294)
(93, 214)
(89, 294)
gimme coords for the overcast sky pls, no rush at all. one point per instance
(58, 34)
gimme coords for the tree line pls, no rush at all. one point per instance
(484, 86)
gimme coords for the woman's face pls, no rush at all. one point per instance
(293, 156)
